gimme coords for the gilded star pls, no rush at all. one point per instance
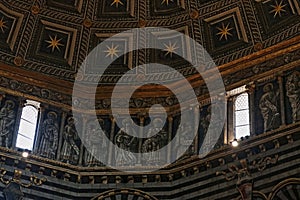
(117, 2)
(54, 43)
(170, 48)
(166, 2)
(278, 9)
(112, 51)
(224, 31)
(2, 25)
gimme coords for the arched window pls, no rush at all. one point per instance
(241, 116)
(28, 125)
(238, 124)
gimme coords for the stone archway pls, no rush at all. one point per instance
(287, 189)
(256, 196)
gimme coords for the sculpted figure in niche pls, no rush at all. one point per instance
(293, 92)
(268, 105)
(7, 120)
(126, 143)
(49, 136)
(151, 147)
(184, 147)
(157, 139)
(162, 135)
(211, 129)
(70, 150)
(97, 144)
(205, 122)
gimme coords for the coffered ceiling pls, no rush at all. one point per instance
(48, 41)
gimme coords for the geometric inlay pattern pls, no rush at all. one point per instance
(54, 41)
(226, 30)
(277, 13)
(56, 38)
(113, 50)
(171, 45)
(115, 8)
(163, 7)
(10, 23)
(74, 5)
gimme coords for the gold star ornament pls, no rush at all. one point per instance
(170, 48)
(117, 2)
(54, 43)
(112, 51)
(278, 9)
(224, 31)
(2, 25)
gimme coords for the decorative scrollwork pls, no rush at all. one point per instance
(262, 163)
(234, 171)
(17, 179)
(244, 172)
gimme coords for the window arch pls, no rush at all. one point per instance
(238, 124)
(241, 116)
(28, 125)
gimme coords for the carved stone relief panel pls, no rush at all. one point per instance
(48, 136)
(213, 140)
(8, 114)
(99, 149)
(71, 144)
(292, 89)
(267, 99)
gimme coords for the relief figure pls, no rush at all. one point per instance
(293, 93)
(126, 143)
(7, 120)
(268, 105)
(98, 147)
(49, 136)
(70, 151)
